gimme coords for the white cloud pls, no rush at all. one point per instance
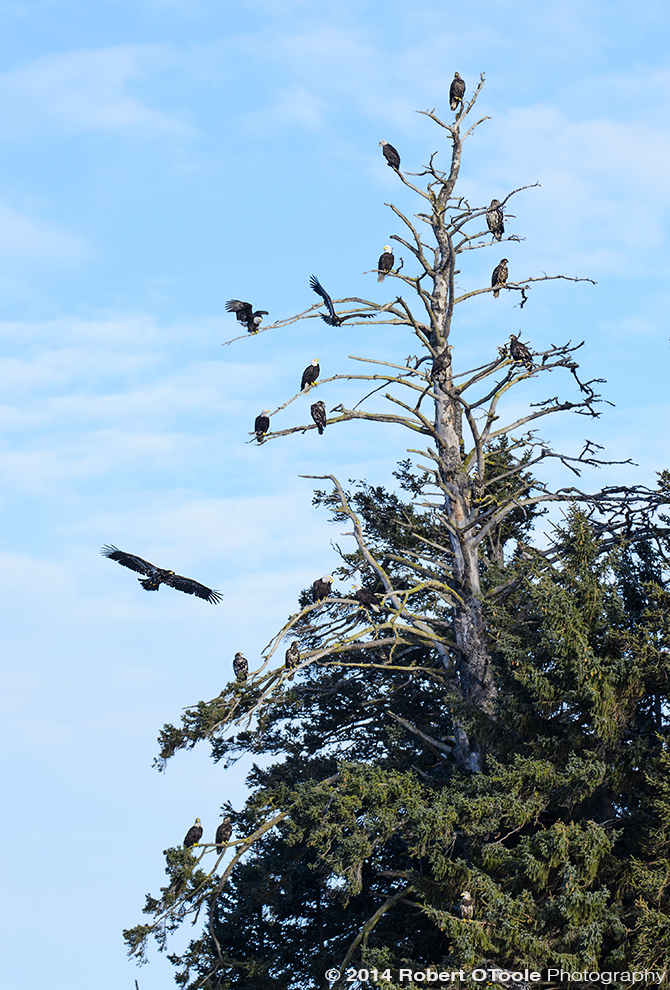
(85, 90)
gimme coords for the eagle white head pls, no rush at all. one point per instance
(314, 362)
(387, 248)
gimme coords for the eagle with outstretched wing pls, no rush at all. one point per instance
(155, 576)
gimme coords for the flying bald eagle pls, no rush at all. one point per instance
(241, 667)
(456, 91)
(385, 263)
(223, 834)
(246, 315)
(292, 656)
(499, 276)
(367, 598)
(310, 375)
(262, 424)
(331, 318)
(390, 154)
(321, 587)
(520, 353)
(318, 411)
(466, 906)
(194, 835)
(494, 219)
(157, 576)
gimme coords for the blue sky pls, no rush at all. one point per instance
(160, 157)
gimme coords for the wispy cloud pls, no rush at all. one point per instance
(86, 90)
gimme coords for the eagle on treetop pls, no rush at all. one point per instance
(155, 576)
(262, 424)
(390, 154)
(466, 906)
(318, 411)
(223, 834)
(499, 276)
(241, 667)
(310, 375)
(494, 219)
(385, 263)
(520, 353)
(245, 314)
(321, 587)
(456, 91)
(194, 835)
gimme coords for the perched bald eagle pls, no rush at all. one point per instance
(321, 587)
(318, 411)
(292, 656)
(223, 834)
(194, 835)
(520, 353)
(310, 375)
(157, 576)
(385, 263)
(456, 91)
(494, 219)
(241, 667)
(499, 276)
(331, 318)
(466, 906)
(367, 598)
(390, 154)
(246, 315)
(262, 424)
(478, 489)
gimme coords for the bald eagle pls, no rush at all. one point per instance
(246, 315)
(390, 154)
(321, 587)
(466, 906)
(241, 667)
(194, 835)
(262, 424)
(494, 219)
(331, 318)
(520, 353)
(318, 411)
(223, 834)
(385, 263)
(367, 598)
(456, 91)
(292, 656)
(157, 576)
(499, 276)
(310, 375)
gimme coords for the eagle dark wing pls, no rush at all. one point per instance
(320, 291)
(292, 656)
(191, 587)
(241, 309)
(499, 276)
(384, 265)
(390, 154)
(318, 411)
(321, 589)
(456, 91)
(223, 834)
(193, 836)
(494, 219)
(127, 559)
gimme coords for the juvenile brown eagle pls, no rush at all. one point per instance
(318, 411)
(194, 835)
(246, 315)
(390, 154)
(321, 587)
(262, 424)
(494, 219)
(223, 834)
(310, 375)
(241, 667)
(499, 276)
(331, 317)
(456, 91)
(520, 353)
(155, 576)
(385, 263)
(367, 598)
(466, 906)
(292, 656)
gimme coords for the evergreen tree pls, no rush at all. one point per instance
(491, 721)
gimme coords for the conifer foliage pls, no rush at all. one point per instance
(496, 723)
